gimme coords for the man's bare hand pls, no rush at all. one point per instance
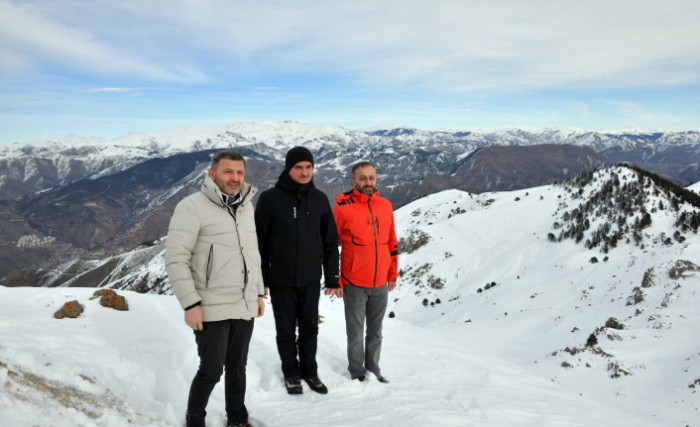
(338, 292)
(261, 305)
(194, 318)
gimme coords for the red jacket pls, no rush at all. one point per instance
(369, 256)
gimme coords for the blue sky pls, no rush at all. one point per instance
(105, 68)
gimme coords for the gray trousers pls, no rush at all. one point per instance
(360, 304)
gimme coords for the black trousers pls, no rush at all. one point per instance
(222, 344)
(294, 306)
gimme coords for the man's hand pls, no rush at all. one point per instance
(392, 286)
(193, 318)
(338, 292)
(261, 305)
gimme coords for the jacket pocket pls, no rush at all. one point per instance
(210, 266)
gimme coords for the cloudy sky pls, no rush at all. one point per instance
(105, 68)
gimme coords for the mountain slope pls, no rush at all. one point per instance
(486, 265)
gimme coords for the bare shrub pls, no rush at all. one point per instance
(436, 282)
(616, 371)
(592, 341)
(682, 268)
(648, 279)
(415, 240)
(613, 323)
(636, 297)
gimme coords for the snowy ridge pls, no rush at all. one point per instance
(65, 160)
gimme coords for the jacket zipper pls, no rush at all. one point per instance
(376, 247)
(245, 267)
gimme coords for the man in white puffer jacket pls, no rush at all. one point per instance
(213, 264)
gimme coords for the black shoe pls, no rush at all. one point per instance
(293, 385)
(359, 378)
(315, 384)
(380, 378)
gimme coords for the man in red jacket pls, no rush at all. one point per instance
(368, 267)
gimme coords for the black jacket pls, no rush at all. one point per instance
(296, 235)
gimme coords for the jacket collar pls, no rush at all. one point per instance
(287, 184)
(358, 196)
(211, 190)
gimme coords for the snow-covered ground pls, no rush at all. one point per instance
(457, 352)
(112, 368)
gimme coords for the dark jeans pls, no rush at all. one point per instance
(292, 306)
(222, 344)
(364, 304)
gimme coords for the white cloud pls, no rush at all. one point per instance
(110, 89)
(449, 44)
(460, 44)
(35, 40)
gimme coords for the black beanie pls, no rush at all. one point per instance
(296, 155)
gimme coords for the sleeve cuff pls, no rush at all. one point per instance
(194, 305)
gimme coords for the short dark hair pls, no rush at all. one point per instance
(226, 154)
(362, 164)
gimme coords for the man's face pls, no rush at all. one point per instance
(302, 172)
(365, 180)
(228, 175)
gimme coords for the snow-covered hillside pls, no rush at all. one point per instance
(485, 270)
(493, 323)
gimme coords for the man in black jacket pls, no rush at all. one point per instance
(297, 236)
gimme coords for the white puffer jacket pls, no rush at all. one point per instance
(212, 254)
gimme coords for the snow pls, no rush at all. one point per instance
(458, 354)
(111, 368)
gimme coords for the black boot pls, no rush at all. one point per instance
(315, 384)
(293, 385)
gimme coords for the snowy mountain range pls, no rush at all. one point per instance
(568, 304)
(30, 167)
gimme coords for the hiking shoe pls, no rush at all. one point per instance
(293, 385)
(359, 378)
(382, 379)
(315, 384)
(379, 376)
